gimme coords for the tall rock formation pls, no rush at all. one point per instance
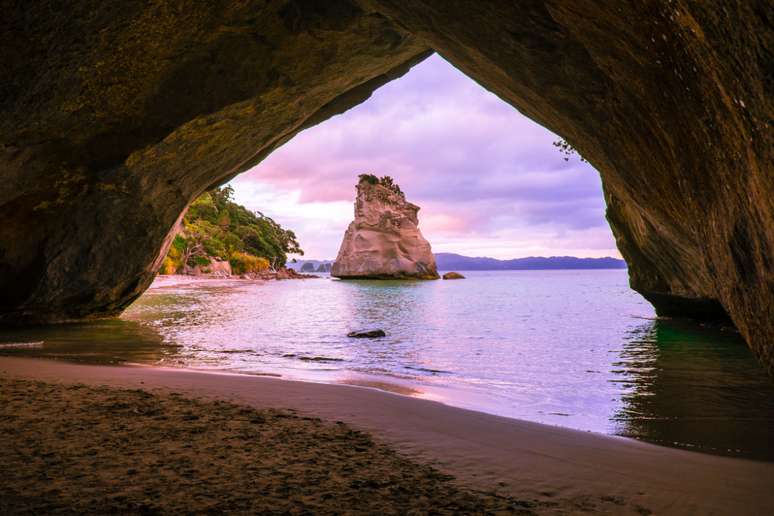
(384, 241)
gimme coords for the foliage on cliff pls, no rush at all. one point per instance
(385, 181)
(568, 150)
(216, 227)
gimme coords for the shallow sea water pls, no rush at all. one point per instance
(571, 348)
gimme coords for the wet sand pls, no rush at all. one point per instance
(60, 438)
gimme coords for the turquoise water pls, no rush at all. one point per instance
(571, 348)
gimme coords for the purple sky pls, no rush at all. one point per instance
(488, 180)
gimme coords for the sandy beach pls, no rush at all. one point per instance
(83, 438)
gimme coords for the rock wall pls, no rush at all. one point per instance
(114, 115)
(384, 241)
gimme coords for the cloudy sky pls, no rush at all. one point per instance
(488, 180)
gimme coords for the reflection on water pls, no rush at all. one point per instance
(101, 342)
(572, 348)
(692, 387)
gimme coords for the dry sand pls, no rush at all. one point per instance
(498, 463)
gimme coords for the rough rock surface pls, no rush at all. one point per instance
(384, 241)
(114, 115)
(367, 334)
(453, 275)
(216, 268)
(282, 273)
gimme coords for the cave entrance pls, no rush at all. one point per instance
(108, 139)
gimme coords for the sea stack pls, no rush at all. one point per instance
(384, 241)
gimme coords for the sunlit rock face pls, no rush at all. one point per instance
(384, 241)
(114, 115)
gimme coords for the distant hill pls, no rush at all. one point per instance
(457, 262)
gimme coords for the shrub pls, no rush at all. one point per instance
(201, 260)
(173, 262)
(203, 208)
(169, 266)
(368, 178)
(385, 181)
(178, 244)
(242, 263)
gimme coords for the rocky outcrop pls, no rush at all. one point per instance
(283, 273)
(367, 334)
(115, 115)
(384, 241)
(216, 269)
(453, 275)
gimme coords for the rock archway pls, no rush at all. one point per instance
(115, 115)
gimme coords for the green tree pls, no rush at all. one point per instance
(215, 227)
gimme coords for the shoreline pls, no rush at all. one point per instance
(164, 280)
(511, 457)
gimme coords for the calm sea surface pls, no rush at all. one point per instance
(570, 348)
